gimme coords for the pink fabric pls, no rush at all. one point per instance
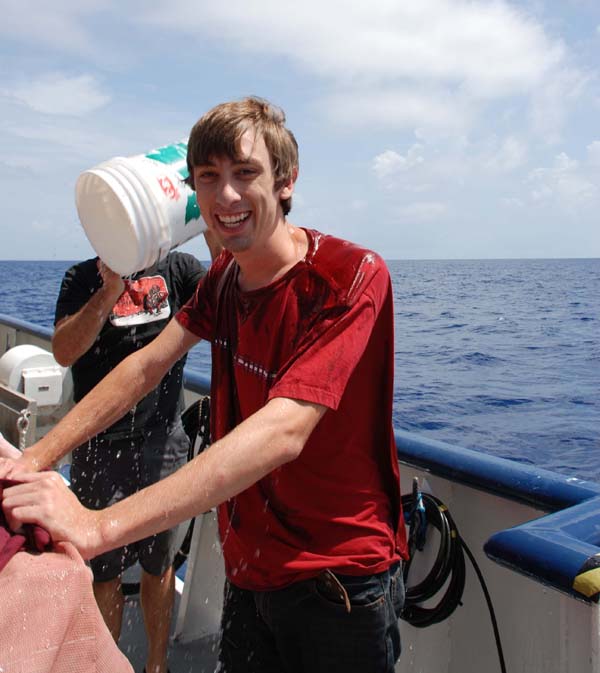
(33, 538)
(49, 620)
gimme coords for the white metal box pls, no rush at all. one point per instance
(43, 384)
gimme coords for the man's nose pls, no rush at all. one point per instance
(227, 193)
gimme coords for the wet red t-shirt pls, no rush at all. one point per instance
(323, 333)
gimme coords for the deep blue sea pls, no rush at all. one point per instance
(502, 356)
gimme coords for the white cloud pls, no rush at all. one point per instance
(431, 63)
(507, 156)
(79, 142)
(541, 193)
(593, 153)
(564, 164)
(406, 106)
(564, 184)
(58, 24)
(552, 102)
(426, 63)
(390, 163)
(449, 164)
(491, 48)
(59, 94)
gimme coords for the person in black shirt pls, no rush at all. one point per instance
(100, 319)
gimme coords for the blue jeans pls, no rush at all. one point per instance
(327, 624)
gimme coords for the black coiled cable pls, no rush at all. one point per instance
(449, 564)
(422, 510)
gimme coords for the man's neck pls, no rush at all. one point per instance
(262, 266)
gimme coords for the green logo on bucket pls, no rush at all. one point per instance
(173, 154)
(192, 212)
(170, 154)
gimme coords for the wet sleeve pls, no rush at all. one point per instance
(320, 369)
(196, 315)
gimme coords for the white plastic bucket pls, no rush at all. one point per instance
(135, 209)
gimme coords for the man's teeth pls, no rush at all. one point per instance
(233, 220)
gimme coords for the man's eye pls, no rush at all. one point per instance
(205, 175)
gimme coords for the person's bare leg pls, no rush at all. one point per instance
(157, 594)
(110, 602)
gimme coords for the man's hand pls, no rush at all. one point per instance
(111, 280)
(11, 467)
(13, 463)
(44, 499)
(7, 466)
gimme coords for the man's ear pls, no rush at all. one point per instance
(288, 187)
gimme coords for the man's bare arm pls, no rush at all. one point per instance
(274, 435)
(76, 334)
(112, 398)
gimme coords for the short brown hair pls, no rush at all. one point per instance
(218, 133)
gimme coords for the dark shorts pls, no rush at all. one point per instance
(307, 628)
(107, 470)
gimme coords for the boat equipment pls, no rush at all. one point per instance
(421, 510)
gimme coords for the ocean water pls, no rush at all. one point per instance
(502, 356)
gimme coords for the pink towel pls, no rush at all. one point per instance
(49, 620)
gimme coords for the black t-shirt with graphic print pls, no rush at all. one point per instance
(151, 299)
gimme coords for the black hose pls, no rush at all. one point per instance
(488, 600)
(422, 510)
(448, 565)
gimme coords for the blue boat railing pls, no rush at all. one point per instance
(557, 549)
(27, 327)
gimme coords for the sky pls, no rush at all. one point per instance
(436, 129)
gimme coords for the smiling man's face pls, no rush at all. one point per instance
(237, 197)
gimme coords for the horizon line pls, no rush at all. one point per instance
(386, 259)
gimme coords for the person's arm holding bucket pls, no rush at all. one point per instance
(75, 334)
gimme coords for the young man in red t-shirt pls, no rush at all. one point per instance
(303, 464)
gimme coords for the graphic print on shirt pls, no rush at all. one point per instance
(143, 301)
